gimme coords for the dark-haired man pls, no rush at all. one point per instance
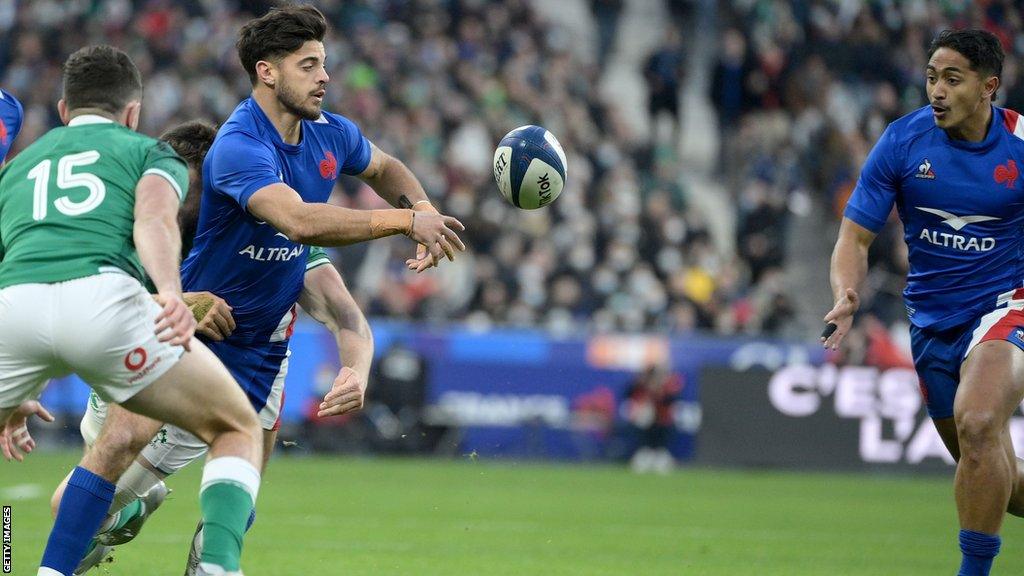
(951, 170)
(266, 178)
(87, 214)
(191, 140)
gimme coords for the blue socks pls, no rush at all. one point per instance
(82, 510)
(979, 550)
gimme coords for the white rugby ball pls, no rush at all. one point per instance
(529, 167)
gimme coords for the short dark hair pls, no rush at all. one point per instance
(191, 140)
(981, 48)
(278, 33)
(101, 77)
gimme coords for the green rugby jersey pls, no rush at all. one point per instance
(67, 201)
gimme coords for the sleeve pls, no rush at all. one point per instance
(317, 257)
(356, 145)
(241, 164)
(12, 115)
(875, 193)
(163, 161)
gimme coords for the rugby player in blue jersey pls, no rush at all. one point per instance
(951, 170)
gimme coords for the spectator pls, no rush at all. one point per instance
(664, 71)
(648, 411)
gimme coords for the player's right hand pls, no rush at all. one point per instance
(175, 323)
(15, 441)
(437, 233)
(842, 316)
(212, 314)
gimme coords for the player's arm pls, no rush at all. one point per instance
(328, 225)
(158, 243)
(848, 269)
(392, 180)
(243, 167)
(12, 116)
(326, 298)
(865, 215)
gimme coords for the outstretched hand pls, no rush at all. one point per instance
(15, 441)
(436, 234)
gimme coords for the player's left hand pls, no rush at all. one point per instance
(346, 394)
(422, 261)
(212, 313)
(15, 441)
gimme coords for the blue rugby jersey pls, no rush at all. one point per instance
(247, 262)
(962, 207)
(11, 117)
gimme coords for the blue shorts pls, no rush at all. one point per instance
(938, 354)
(260, 371)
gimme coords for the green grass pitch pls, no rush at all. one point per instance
(344, 516)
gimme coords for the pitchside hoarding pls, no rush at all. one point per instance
(519, 393)
(826, 417)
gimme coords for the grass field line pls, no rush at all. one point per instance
(21, 492)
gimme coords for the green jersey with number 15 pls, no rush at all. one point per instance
(67, 202)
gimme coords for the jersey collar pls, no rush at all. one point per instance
(85, 119)
(991, 137)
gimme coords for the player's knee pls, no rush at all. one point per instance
(114, 451)
(977, 429)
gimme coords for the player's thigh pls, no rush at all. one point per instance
(197, 394)
(991, 382)
(26, 342)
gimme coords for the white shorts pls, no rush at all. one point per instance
(173, 448)
(99, 327)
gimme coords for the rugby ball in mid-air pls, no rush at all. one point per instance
(529, 167)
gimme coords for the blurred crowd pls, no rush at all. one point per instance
(437, 83)
(803, 90)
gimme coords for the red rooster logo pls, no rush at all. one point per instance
(329, 166)
(1006, 173)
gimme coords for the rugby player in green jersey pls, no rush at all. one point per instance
(87, 213)
(141, 490)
